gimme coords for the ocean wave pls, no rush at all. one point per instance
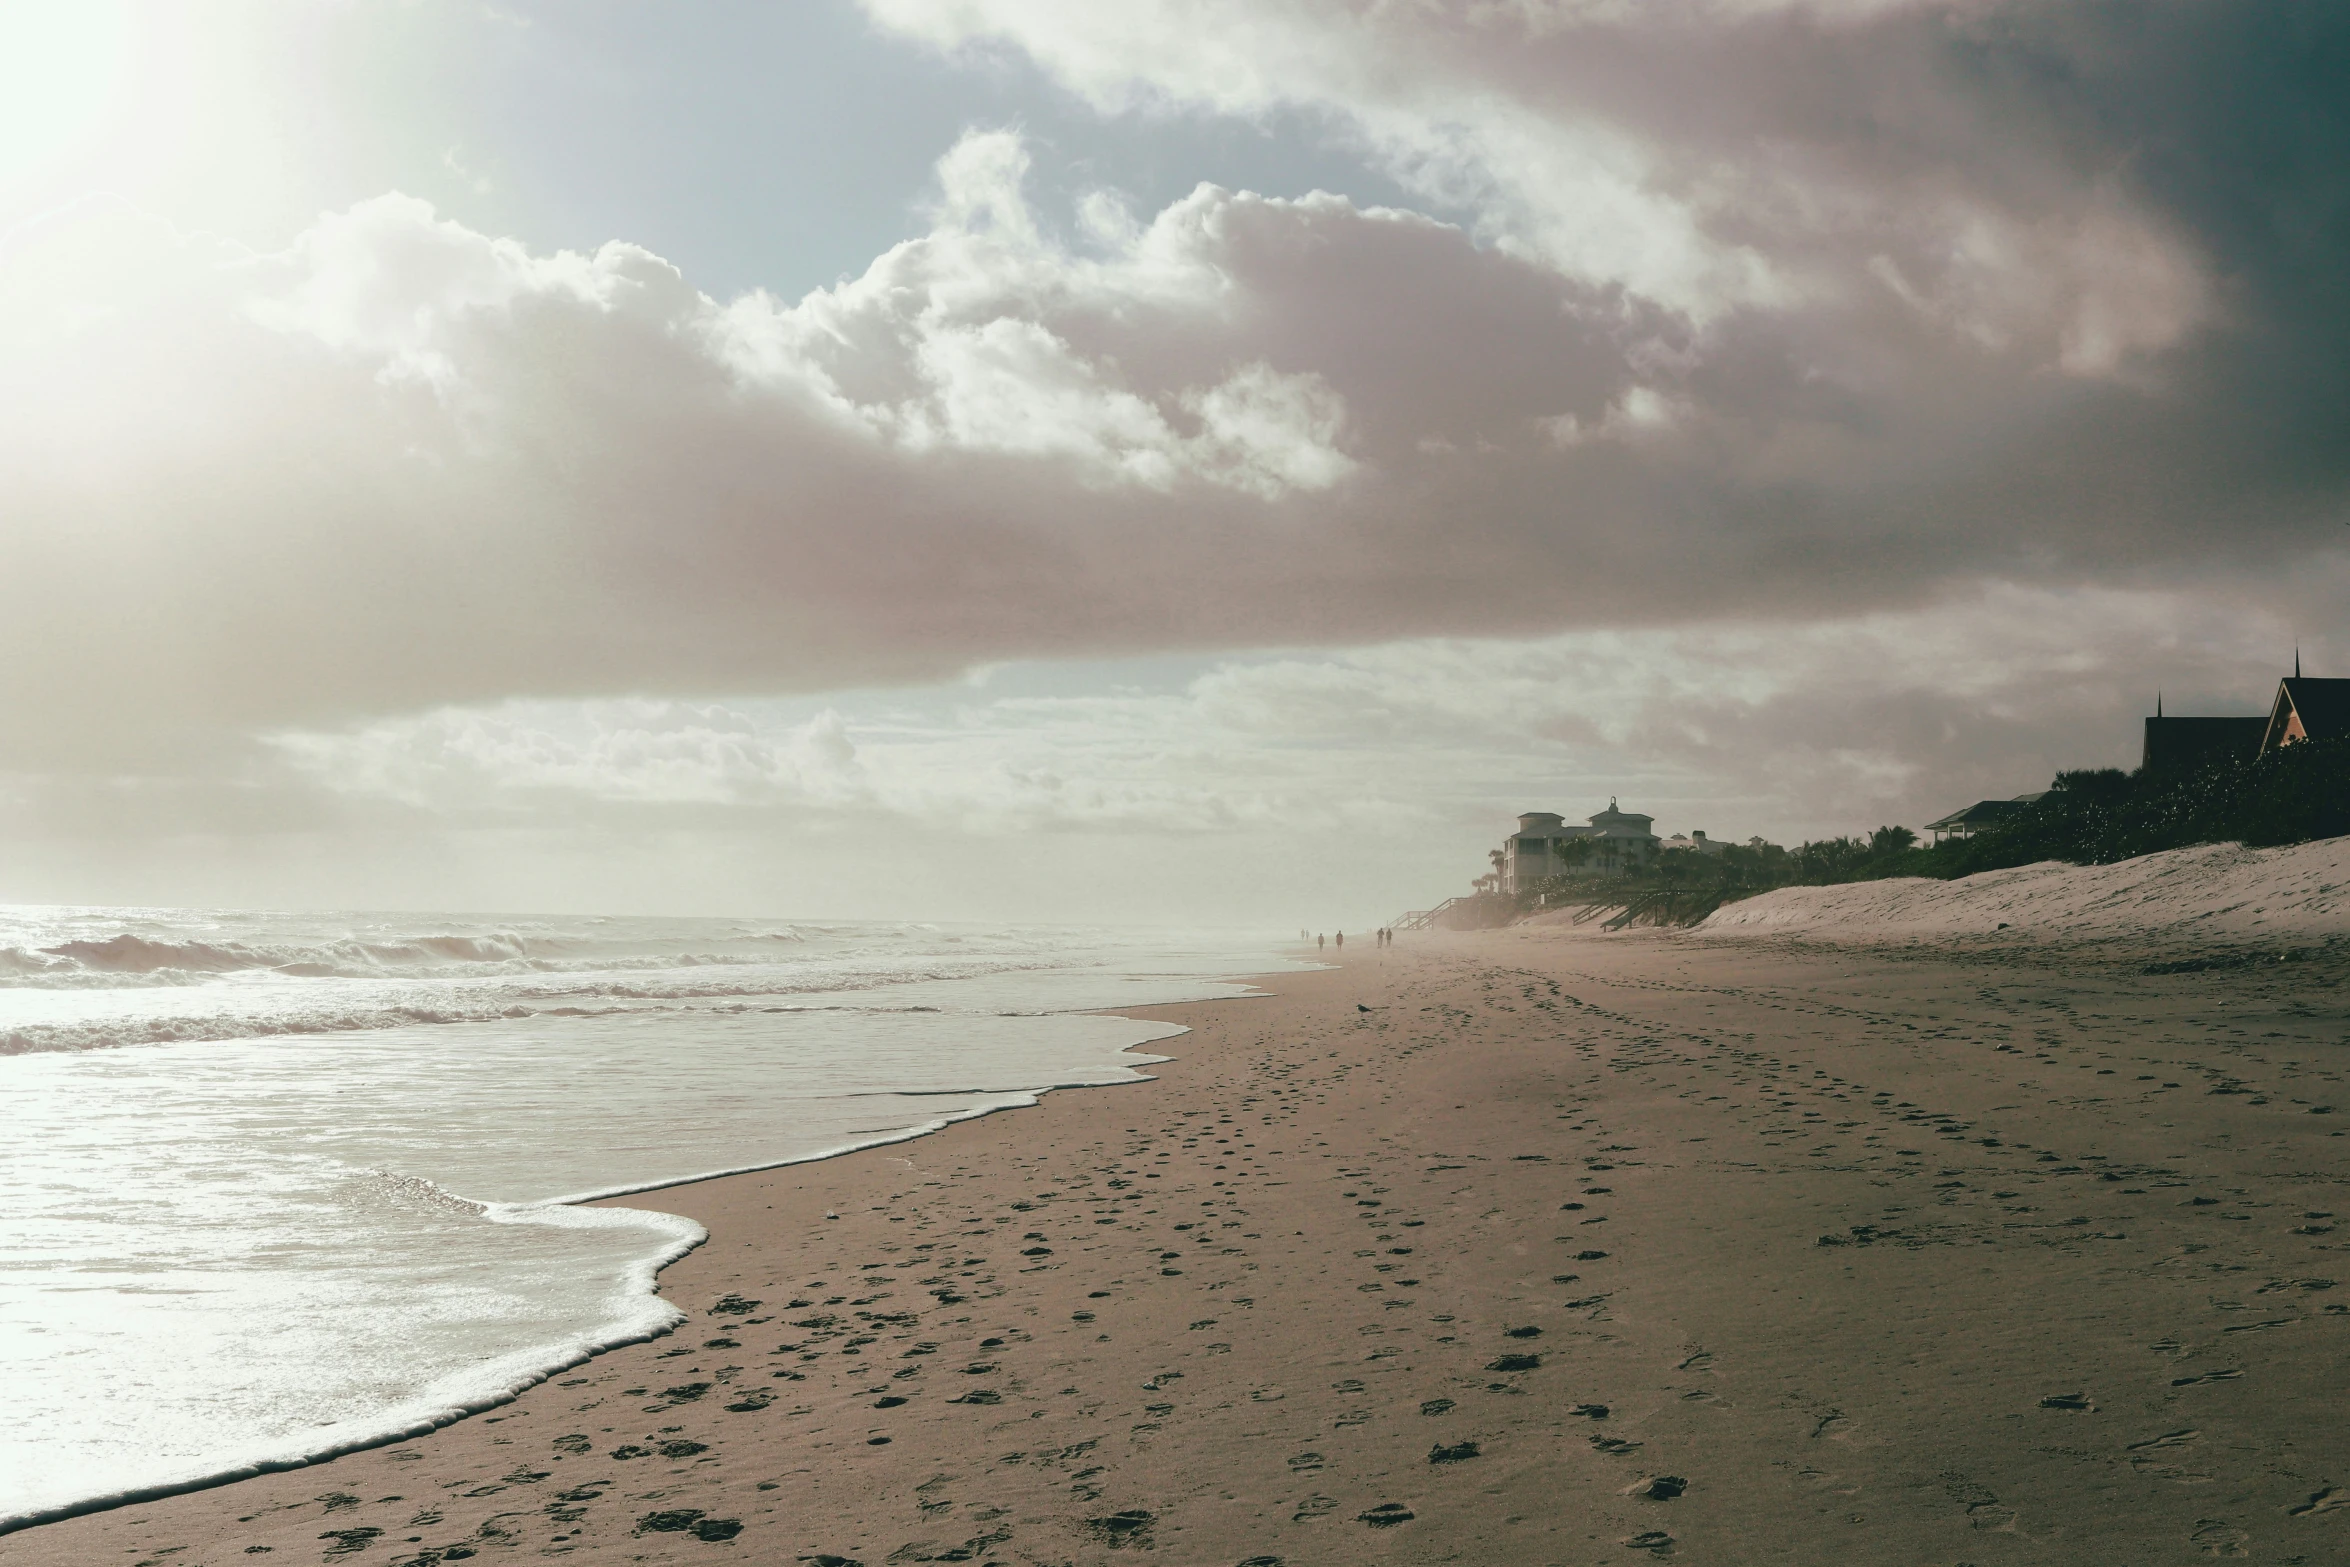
(115, 1033)
(131, 955)
(128, 954)
(129, 961)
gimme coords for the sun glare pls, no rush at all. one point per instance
(65, 68)
(181, 108)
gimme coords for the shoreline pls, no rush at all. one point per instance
(558, 1359)
(1517, 1247)
(398, 1424)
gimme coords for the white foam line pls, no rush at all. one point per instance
(1017, 1099)
(651, 1318)
(658, 1317)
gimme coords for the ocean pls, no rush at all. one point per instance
(274, 1186)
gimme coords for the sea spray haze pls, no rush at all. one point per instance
(279, 1184)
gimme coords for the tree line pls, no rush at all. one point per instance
(2095, 817)
(2089, 817)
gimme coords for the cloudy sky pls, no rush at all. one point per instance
(1180, 459)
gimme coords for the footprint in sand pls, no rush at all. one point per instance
(2218, 1537)
(2325, 1501)
(1131, 1527)
(2167, 1439)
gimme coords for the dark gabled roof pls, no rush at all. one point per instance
(2185, 742)
(2323, 706)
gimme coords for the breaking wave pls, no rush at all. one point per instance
(127, 959)
(382, 1209)
(116, 1032)
(85, 959)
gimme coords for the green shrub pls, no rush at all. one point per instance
(2292, 795)
(2094, 817)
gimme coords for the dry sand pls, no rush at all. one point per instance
(2214, 892)
(1569, 1249)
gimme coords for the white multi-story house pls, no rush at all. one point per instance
(1542, 846)
(1696, 842)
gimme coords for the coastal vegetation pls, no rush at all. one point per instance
(2091, 817)
(2292, 795)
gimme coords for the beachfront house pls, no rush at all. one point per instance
(2177, 745)
(1979, 817)
(1696, 842)
(2305, 709)
(1546, 845)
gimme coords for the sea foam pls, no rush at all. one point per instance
(312, 1182)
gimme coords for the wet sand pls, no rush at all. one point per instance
(1536, 1246)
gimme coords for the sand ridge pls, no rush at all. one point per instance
(1544, 1247)
(2209, 893)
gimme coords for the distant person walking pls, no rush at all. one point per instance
(1342, 938)
(1320, 942)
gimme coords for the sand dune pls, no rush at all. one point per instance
(2223, 893)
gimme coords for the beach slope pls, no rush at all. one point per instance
(1543, 1247)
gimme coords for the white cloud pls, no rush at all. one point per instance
(955, 342)
(1791, 730)
(1704, 361)
(1565, 185)
(443, 466)
(1655, 147)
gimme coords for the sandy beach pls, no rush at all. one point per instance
(1539, 1246)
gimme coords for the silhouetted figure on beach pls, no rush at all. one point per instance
(1342, 938)
(1320, 942)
